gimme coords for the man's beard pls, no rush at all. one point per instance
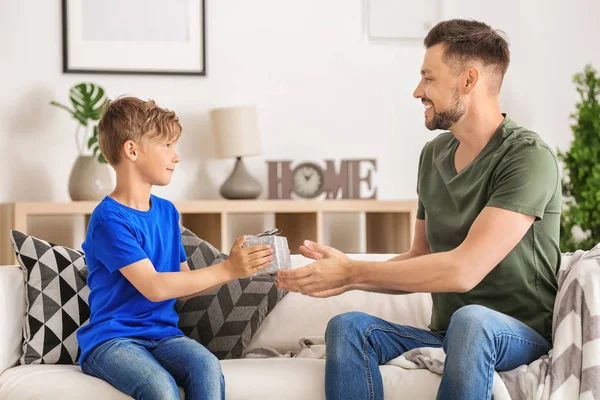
(445, 119)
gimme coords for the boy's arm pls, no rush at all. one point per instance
(160, 286)
(186, 267)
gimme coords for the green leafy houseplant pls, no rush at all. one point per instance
(87, 100)
(581, 181)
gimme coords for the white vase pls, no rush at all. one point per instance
(89, 179)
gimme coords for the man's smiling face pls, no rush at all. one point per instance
(438, 91)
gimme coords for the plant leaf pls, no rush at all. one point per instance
(92, 141)
(581, 178)
(54, 103)
(88, 100)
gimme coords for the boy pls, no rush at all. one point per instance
(137, 267)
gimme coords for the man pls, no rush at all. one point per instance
(486, 236)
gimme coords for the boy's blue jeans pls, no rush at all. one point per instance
(477, 342)
(153, 369)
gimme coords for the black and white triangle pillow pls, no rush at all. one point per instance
(56, 300)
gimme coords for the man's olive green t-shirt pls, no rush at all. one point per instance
(516, 171)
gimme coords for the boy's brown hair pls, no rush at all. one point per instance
(129, 118)
(467, 40)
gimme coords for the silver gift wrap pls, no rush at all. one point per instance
(281, 254)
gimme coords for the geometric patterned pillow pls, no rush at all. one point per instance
(56, 301)
(226, 319)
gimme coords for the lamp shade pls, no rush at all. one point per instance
(236, 131)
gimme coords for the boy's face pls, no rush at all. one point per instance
(156, 161)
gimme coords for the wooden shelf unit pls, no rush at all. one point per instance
(389, 223)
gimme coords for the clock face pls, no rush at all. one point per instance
(308, 180)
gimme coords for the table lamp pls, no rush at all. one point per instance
(236, 135)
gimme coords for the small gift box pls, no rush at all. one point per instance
(281, 254)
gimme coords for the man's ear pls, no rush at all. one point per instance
(130, 150)
(470, 79)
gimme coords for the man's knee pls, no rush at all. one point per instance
(472, 312)
(342, 325)
(470, 320)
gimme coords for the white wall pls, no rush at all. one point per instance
(322, 91)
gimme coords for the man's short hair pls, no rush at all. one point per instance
(129, 118)
(466, 41)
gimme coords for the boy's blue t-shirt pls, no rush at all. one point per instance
(118, 236)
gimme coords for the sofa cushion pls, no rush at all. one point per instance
(226, 319)
(64, 382)
(56, 300)
(245, 379)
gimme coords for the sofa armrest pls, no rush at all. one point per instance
(12, 312)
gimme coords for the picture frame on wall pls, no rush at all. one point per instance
(148, 37)
(388, 21)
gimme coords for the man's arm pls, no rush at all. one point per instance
(419, 247)
(492, 236)
(524, 185)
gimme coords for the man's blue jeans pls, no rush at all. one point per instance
(477, 342)
(152, 369)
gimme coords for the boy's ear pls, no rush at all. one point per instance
(130, 150)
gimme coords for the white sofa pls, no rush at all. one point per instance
(295, 317)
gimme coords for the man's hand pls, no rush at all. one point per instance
(311, 250)
(330, 275)
(245, 262)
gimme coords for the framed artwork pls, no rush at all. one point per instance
(154, 37)
(399, 20)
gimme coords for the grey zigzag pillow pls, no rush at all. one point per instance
(56, 301)
(225, 320)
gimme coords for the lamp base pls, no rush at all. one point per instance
(240, 185)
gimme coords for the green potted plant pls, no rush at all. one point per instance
(90, 177)
(580, 222)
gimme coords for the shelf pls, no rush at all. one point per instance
(389, 225)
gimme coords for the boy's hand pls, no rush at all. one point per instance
(244, 262)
